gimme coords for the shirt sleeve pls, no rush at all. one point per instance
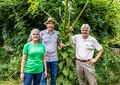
(97, 45)
(59, 38)
(73, 38)
(25, 49)
(40, 34)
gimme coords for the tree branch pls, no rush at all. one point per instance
(80, 13)
(48, 14)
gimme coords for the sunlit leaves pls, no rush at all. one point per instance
(34, 6)
(64, 54)
(61, 65)
(65, 71)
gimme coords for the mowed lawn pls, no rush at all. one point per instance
(12, 82)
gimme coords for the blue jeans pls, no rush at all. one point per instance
(28, 77)
(53, 67)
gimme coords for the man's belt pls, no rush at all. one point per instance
(83, 60)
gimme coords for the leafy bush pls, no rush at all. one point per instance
(18, 17)
(108, 67)
(3, 71)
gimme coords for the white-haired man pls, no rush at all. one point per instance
(85, 46)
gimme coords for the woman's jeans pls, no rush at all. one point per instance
(53, 67)
(29, 77)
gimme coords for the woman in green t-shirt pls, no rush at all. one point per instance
(33, 61)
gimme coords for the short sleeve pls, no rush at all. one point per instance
(59, 38)
(40, 34)
(25, 49)
(73, 38)
(97, 45)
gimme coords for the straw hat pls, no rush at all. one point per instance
(50, 19)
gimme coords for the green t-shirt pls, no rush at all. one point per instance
(34, 59)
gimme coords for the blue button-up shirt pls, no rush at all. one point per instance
(50, 41)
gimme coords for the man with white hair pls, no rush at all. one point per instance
(85, 46)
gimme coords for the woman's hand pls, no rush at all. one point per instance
(45, 74)
(22, 76)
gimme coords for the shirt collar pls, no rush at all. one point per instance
(51, 32)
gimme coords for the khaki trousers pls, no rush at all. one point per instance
(88, 70)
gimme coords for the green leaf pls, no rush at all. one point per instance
(71, 75)
(67, 82)
(69, 61)
(60, 79)
(71, 50)
(61, 64)
(64, 55)
(65, 71)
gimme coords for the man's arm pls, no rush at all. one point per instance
(99, 48)
(99, 54)
(60, 43)
(73, 41)
(93, 60)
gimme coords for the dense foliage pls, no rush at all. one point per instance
(18, 17)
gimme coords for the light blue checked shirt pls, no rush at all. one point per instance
(50, 41)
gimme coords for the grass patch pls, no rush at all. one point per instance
(12, 82)
(17, 82)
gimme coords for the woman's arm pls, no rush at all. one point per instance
(22, 66)
(45, 66)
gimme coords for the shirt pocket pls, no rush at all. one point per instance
(89, 46)
(54, 39)
(45, 40)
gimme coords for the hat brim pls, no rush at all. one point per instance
(50, 21)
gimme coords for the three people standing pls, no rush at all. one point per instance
(36, 54)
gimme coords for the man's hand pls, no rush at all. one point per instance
(62, 45)
(93, 60)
